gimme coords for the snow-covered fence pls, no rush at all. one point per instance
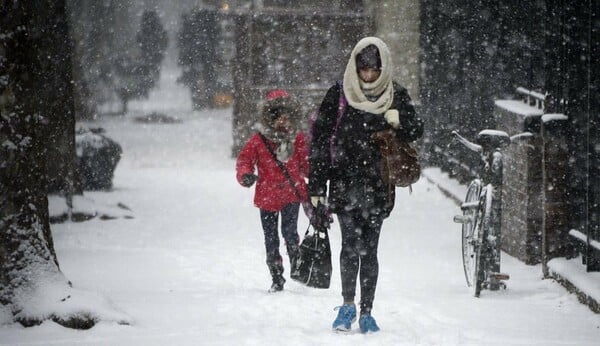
(533, 98)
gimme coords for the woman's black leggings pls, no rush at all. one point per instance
(360, 238)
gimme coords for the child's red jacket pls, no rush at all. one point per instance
(273, 190)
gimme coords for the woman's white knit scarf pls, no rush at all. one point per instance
(358, 92)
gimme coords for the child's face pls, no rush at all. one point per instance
(282, 123)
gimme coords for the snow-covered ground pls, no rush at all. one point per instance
(189, 268)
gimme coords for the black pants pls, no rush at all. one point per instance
(289, 230)
(360, 238)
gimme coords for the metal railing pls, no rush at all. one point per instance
(533, 98)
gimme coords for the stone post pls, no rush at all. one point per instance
(555, 242)
(522, 181)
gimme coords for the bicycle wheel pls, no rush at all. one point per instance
(470, 242)
(483, 230)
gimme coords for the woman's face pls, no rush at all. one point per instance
(369, 74)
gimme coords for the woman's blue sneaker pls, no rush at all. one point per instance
(346, 315)
(367, 324)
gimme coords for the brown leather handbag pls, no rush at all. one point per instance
(399, 160)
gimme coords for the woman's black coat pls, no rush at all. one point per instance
(353, 171)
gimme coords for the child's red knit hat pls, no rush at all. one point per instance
(276, 93)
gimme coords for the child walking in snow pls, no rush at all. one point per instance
(278, 154)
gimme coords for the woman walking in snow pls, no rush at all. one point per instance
(357, 193)
(277, 152)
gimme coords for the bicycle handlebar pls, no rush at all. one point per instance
(520, 136)
(478, 148)
(467, 143)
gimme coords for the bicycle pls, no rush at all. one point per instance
(481, 212)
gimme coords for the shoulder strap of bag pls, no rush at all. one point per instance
(286, 174)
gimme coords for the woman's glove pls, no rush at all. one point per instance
(315, 200)
(248, 179)
(392, 117)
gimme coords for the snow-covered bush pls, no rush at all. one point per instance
(97, 158)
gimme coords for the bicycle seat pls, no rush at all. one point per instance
(492, 139)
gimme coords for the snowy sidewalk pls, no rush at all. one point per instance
(189, 267)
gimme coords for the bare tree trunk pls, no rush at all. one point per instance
(29, 270)
(59, 100)
(26, 247)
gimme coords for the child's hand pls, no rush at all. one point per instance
(248, 179)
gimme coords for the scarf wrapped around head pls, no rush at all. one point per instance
(278, 102)
(376, 97)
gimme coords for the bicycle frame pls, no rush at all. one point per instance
(481, 218)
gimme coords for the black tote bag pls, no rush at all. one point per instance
(313, 265)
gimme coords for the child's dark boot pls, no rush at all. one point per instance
(277, 275)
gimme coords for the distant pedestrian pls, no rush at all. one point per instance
(357, 193)
(278, 154)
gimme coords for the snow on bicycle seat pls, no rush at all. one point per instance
(492, 139)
